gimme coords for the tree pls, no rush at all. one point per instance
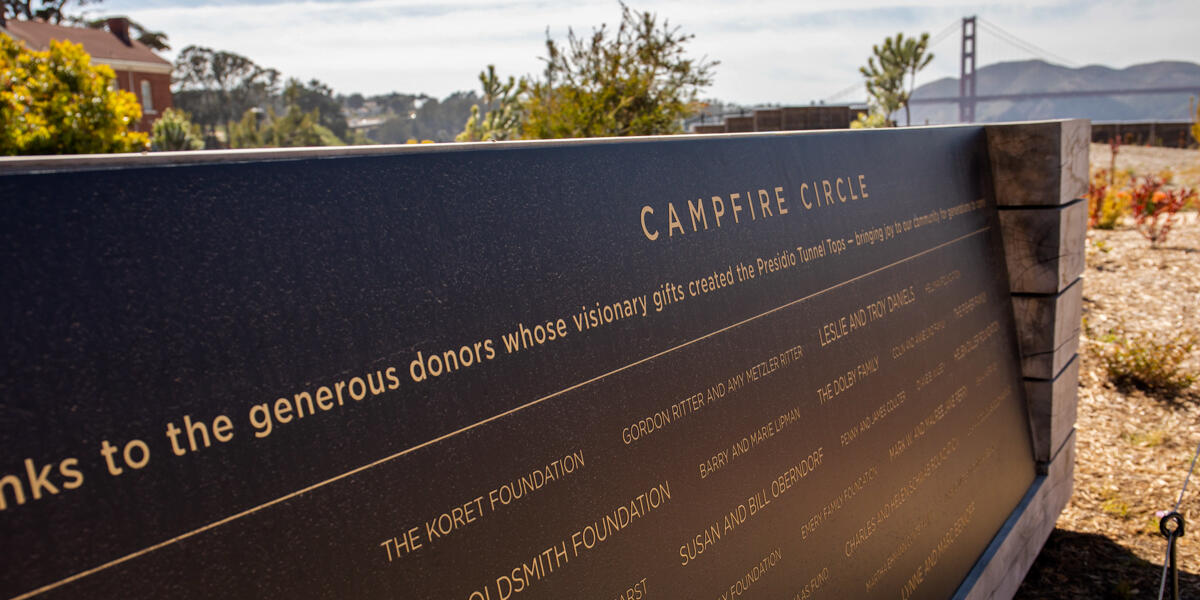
(897, 58)
(57, 102)
(218, 87)
(638, 81)
(43, 10)
(885, 84)
(54, 11)
(434, 119)
(248, 132)
(911, 56)
(155, 40)
(316, 96)
(295, 128)
(501, 101)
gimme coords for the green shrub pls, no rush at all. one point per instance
(1141, 361)
(174, 131)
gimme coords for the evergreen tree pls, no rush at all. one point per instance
(218, 87)
(639, 81)
(501, 101)
(318, 97)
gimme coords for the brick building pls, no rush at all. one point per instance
(138, 68)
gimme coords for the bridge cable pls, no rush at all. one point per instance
(1021, 44)
(844, 91)
(941, 35)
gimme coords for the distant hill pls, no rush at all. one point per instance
(1040, 76)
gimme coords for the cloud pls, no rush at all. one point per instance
(770, 51)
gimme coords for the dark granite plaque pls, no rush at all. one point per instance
(760, 367)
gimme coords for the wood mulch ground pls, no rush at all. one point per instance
(1133, 448)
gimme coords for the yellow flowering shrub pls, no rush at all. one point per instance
(57, 102)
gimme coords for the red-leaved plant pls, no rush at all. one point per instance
(1154, 208)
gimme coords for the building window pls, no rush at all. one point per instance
(147, 98)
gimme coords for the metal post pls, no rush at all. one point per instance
(1172, 534)
(966, 73)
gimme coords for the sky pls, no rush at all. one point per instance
(788, 52)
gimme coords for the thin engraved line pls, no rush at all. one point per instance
(380, 461)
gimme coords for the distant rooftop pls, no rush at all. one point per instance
(103, 46)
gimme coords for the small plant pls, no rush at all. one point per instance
(174, 131)
(1143, 362)
(1154, 207)
(1150, 525)
(1114, 506)
(1107, 204)
(1149, 439)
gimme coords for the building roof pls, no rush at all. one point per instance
(104, 47)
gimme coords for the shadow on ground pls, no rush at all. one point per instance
(1087, 565)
